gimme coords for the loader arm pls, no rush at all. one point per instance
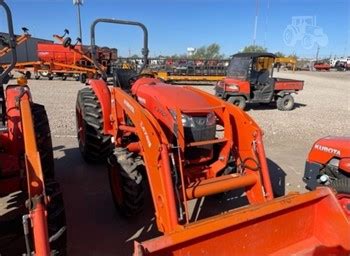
(35, 180)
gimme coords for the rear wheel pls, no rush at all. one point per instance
(28, 74)
(285, 103)
(43, 138)
(93, 144)
(126, 182)
(83, 78)
(238, 101)
(56, 219)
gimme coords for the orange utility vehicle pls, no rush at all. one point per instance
(189, 144)
(249, 79)
(328, 164)
(32, 218)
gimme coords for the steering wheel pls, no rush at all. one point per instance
(133, 79)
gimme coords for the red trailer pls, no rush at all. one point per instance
(58, 53)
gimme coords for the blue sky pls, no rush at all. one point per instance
(175, 25)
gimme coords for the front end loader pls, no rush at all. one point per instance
(189, 144)
(32, 217)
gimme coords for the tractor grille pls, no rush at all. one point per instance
(194, 134)
(199, 133)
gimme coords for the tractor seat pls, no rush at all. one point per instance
(263, 76)
(122, 76)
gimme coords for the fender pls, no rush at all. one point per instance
(103, 95)
(285, 92)
(229, 94)
(14, 119)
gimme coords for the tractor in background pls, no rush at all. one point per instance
(189, 144)
(249, 79)
(32, 216)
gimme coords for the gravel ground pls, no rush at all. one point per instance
(322, 109)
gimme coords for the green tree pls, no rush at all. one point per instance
(280, 54)
(211, 51)
(254, 48)
(293, 56)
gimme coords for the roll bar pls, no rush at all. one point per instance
(11, 43)
(144, 51)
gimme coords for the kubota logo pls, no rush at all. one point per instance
(327, 149)
(129, 106)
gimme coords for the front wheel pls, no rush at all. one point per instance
(238, 101)
(285, 103)
(342, 185)
(126, 182)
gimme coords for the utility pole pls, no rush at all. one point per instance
(318, 51)
(256, 21)
(78, 3)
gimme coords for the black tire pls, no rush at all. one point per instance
(126, 182)
(56, 218)
(28, 75)
(37, 77)
(94, 146)
(238, 101)
(64, 78)
(285, 103)
(50, 77)
(56, 213)
(44, 141)
(341, 185)
(83, 78)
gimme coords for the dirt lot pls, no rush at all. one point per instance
(94, 226)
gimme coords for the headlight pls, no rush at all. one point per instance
(233, 87)
(198, 121)
(187, 121)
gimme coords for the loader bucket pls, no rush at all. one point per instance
(298, 224)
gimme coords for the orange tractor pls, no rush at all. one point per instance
(32, 217)
(189, 144)
(328, 164)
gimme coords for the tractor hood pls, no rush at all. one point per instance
(160, 98)
(329, 147)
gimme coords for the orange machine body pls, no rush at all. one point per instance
(154, 111)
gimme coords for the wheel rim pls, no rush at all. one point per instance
(287, 103)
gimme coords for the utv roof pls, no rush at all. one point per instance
(254, 54)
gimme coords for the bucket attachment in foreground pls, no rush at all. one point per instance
(298, 224)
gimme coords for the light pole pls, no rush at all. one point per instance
(78, 3)
(256, 21)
